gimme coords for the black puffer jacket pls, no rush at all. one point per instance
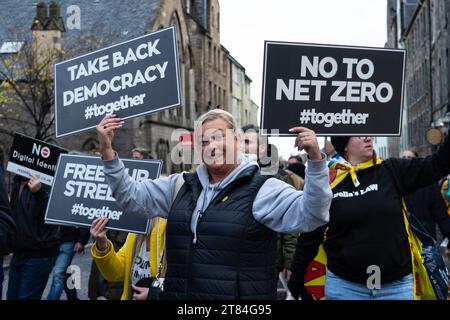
(35, 238)
(7, 225)
(234, 256)
(428, 207)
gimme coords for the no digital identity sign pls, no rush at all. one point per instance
(31, 156)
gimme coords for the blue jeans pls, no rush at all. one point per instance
(337, 288)
(28, 277)
(59, 282)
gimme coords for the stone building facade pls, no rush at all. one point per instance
(422, 28)
(205, 65)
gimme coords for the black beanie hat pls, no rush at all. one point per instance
(298, 169)
(339, 144)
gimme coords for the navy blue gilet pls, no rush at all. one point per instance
(234, 255)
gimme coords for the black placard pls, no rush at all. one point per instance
(80, 193)
(333, 90)
(31, 156)
(130, 79)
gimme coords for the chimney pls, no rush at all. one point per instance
(54, 9)
(47, 32)
(55, 21)
(41, 17)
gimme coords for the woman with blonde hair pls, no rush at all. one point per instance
(222, 223)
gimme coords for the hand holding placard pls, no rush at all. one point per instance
(307, 140)
(34, 184)
(105, 134)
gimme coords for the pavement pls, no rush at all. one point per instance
(84, 260)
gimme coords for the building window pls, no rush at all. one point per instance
(218, 61)
(235, 108)
(210, 91)
(209, 52)
(188, 6)
(444, 10)
(216, 52)
(237, 75)
(225, 107)
(219, 95)
(433, 21)
(224, 66)
(187, 98)
(215, 96)
(218, 22)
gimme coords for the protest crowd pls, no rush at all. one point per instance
(270, 235)
(240, 223)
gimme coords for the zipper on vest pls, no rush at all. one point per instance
(197, 220)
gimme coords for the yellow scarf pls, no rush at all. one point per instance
(340, 168)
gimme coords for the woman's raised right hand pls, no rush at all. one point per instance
(105, 134)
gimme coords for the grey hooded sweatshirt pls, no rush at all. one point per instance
(277, 205)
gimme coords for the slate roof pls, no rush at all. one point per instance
(112, 20)
(124, 18)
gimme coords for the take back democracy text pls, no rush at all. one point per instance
(118, 82)
(131, 79)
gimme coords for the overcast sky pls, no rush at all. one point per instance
(245, 24)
